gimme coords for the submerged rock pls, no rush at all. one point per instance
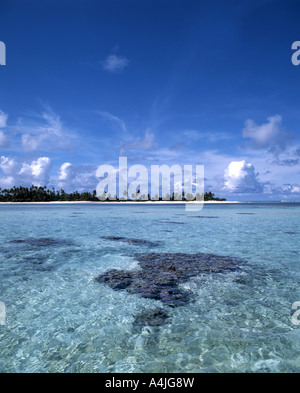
(155, 318)
(35, 242)
(136, 242)
(161, 274)
(204, 216)
(41, 242)
(171, 222)
(116, 279)
(44, 268)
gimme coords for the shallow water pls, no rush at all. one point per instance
(59, 319)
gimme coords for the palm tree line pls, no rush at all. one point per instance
(42, 194)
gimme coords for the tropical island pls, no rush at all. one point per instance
(42, 194)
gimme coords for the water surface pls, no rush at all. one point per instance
(60, 319)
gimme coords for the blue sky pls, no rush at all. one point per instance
(158, 81)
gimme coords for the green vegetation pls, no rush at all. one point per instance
(42, 194)
(209, 196)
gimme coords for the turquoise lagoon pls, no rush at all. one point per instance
(59, 319)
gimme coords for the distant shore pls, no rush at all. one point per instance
(119, 202)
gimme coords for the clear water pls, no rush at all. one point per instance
(59, 319)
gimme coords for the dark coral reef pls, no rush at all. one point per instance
(161, 274)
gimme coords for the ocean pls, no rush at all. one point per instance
(237, 318)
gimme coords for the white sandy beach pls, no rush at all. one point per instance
(122, 202)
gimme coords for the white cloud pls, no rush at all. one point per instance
(15, 174)
(287, 191)
(79, 178)
(70, 177)
(8, 166)
(115, 63)
(265, 134)
(32, 142)
(240, 177)
(295, 190)
(37, 172)
(66, 176)
(290, 189)
(65, 171)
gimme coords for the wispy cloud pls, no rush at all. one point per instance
(115, 63)
(195, 135)
(145, 143)
(3, 119)
(142, 144)
(4, 140)
(114, 120)
(128, 141)
(44, 131)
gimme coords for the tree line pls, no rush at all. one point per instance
(42, 194)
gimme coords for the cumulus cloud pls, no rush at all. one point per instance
(8, 166)
(65, 172)
(24, 174)
(37, 172)
(240, 177)
(295, 190)
(77, 177)
(263, 135)
(287, 192)
(290, 189)
(115, 63)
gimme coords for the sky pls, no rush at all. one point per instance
(157, 81)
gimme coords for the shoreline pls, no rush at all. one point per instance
(122, 203)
